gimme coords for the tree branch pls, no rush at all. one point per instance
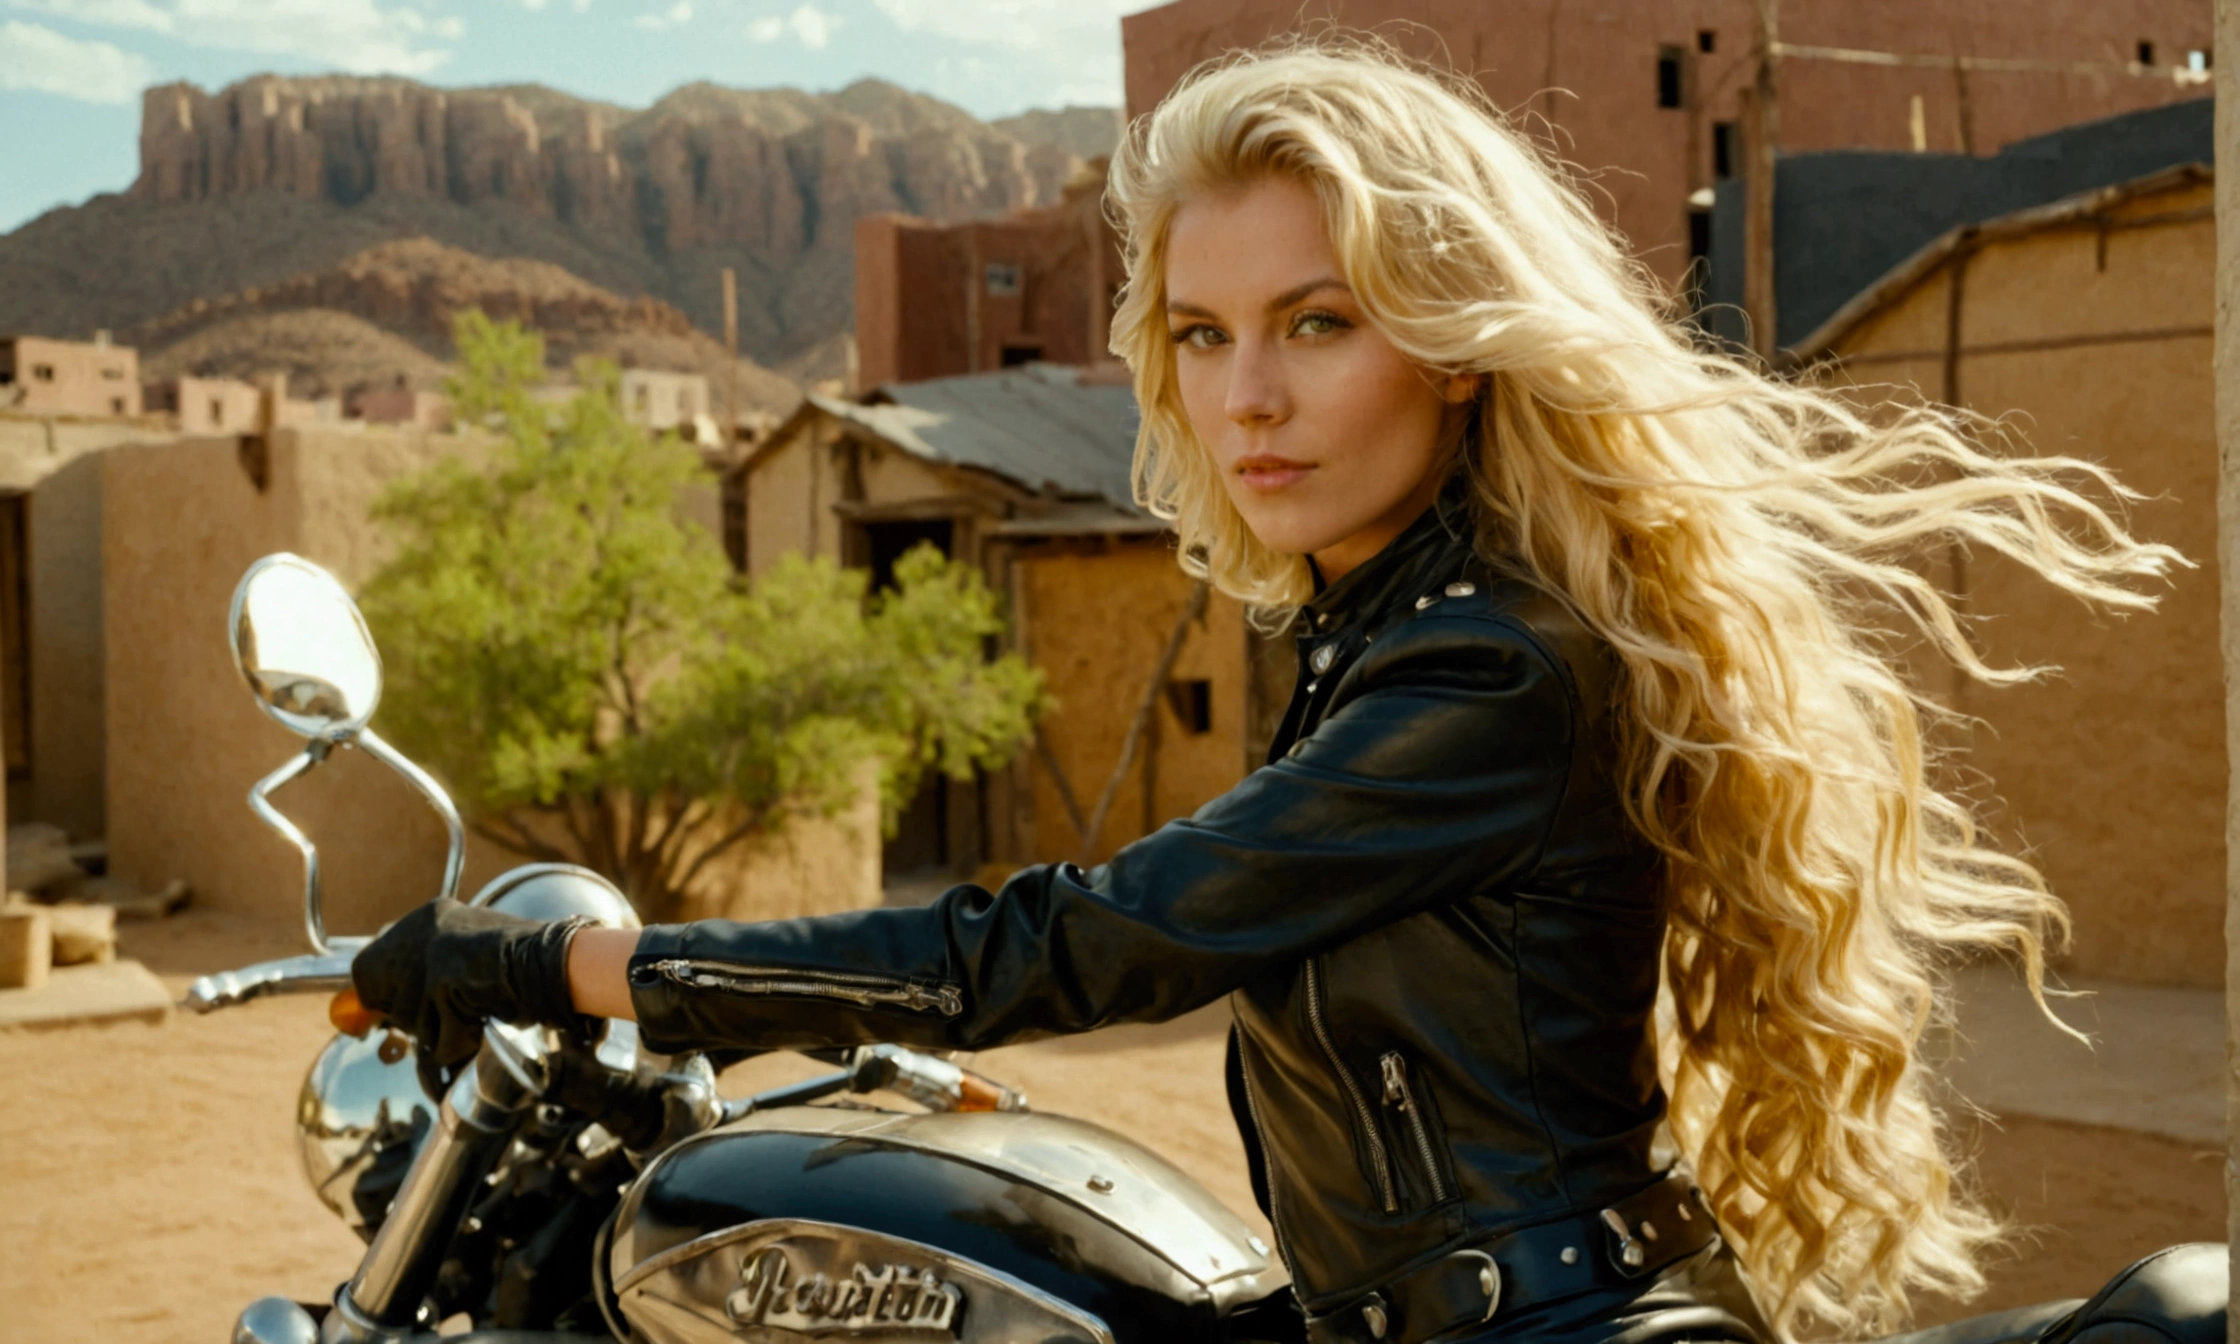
(512, 836)
(757, 820)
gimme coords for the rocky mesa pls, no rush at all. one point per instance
(274, 177)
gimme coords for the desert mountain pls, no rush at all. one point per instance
(275, 178)
(385, 314)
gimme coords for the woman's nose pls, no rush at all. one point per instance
(1258, 391)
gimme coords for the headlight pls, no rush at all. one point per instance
(358, 1124)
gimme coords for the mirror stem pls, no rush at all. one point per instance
(455, 861)
(314, 917)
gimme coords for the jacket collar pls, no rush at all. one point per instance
(1394, 576)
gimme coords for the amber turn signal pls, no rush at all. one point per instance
(350, 1017)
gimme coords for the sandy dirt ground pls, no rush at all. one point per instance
(149, 1185)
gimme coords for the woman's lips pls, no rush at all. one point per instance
(1266, 473)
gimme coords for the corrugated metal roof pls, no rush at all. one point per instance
(1037, 426)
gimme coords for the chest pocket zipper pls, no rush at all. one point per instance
(1399, 1095)
(1380, 1164)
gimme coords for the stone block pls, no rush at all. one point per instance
(26, 947)
(83, 933)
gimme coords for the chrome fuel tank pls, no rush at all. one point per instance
(984, 1228)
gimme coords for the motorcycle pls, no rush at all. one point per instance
(561, 1189)
(565, 1189)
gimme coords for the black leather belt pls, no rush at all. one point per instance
(1623, 1243)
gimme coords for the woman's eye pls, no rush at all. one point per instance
(1316, 322)
(1200, 335)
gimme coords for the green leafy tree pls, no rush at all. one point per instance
(582, 667)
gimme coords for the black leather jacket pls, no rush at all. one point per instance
(1437, 929)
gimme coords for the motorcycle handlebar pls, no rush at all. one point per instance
(289, 975)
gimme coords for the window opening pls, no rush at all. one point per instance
(2146, 53)
(2197, 61)
(1003, 279)
(1668, 76)
(1699, 258)
(1016, 353)
(1707, 41)
(1192, 703)
(1722, 150)
(116, 405)
(43, 373)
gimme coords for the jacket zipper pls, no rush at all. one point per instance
(1379, 1161)
(1398, 1094)
(864, 991)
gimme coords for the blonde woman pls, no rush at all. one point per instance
(1599, 690)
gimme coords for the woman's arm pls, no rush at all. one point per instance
(1439, 772)
(599, 972)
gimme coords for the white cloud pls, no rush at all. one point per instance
(358, 36)
(102, 13)
(1071, 46)
(811, 27)
(675, 15)
(44, 61)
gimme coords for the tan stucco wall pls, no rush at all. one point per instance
(2111, 774)
(180, 523)
(1095, 624)
(65, 788)
(55, 460)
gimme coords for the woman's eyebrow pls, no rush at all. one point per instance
(1181, 308)
(1298, 292)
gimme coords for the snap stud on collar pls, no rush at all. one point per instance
(1463, 588)
(1320, 659)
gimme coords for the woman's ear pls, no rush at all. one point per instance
(1460, 389)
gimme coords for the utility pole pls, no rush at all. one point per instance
(2227, 364)
(731, 361)
(1762, 116)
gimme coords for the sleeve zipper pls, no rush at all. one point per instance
(1399, 1095)
(864, 991)
(1379, 1161)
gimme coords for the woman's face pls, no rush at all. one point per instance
(1328, 439)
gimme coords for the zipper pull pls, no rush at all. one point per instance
(1395, 1080)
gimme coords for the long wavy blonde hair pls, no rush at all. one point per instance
(1751, 548)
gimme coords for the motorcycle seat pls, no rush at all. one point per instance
(2175, 1296)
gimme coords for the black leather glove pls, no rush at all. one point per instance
(439, 972)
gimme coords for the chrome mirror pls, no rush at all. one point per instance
(303, 648)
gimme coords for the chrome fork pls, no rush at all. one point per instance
(382, 1301)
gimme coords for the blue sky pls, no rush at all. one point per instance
(71, 71)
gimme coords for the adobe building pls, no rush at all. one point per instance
(2086, 320)
(52, 664)
(39, 376)
(659, 400)
(937, 300)
(1025, 473)
(400, 405)
(1645, 96)
(204, 405)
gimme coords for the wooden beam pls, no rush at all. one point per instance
(2227, 357)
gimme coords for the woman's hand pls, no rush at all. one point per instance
(444, 969)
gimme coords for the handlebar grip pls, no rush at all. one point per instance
(349, 1015)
